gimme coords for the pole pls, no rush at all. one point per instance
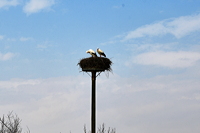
(93, 114)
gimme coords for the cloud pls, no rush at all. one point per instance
(11, 39)
(178, 27)
(46, 101)
(34, 6)
(23, 39)
(126, 104)
(119, 6)
(150, 30)
(1, 37)
(44, 46)
(16, 83)
(195, 96)
(180, 59)
(7, 56)
(7, 3)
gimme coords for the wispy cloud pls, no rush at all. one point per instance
(43, 46)
(119, 6)
(43, 95)
(7, 56)
(195, 96)
(16, 83)
(1, 37)
(121, 102)
(180, 59)
(23, 39)
(178, 27)
(34, 6)
(7, 3)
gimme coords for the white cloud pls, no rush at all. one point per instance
(45, 45)
(151, 30)
(179, 27)
(195, 96)
(179, 59)
(7, 56)
(34, 6)
(23, 39)
(63, 103)
(1, 37)
(41, 102)
(11, 39)
(6, 3)
(16, 83)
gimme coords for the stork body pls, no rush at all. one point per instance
(100, 52)
(90, 51)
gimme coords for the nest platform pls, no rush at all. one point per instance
(98, 64)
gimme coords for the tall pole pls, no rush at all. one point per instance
(93, 114)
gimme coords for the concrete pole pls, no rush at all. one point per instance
(93, 109)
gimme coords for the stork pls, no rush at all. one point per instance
(100, 52)
(90, 51)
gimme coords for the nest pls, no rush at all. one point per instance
(97, 64)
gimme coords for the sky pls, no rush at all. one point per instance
(154, 46)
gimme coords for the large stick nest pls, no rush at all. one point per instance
(95, 64)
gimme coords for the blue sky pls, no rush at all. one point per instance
(154, 46)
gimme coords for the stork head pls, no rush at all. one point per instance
(90, 51)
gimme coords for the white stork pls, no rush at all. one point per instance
(90, 51)
(100, 52)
